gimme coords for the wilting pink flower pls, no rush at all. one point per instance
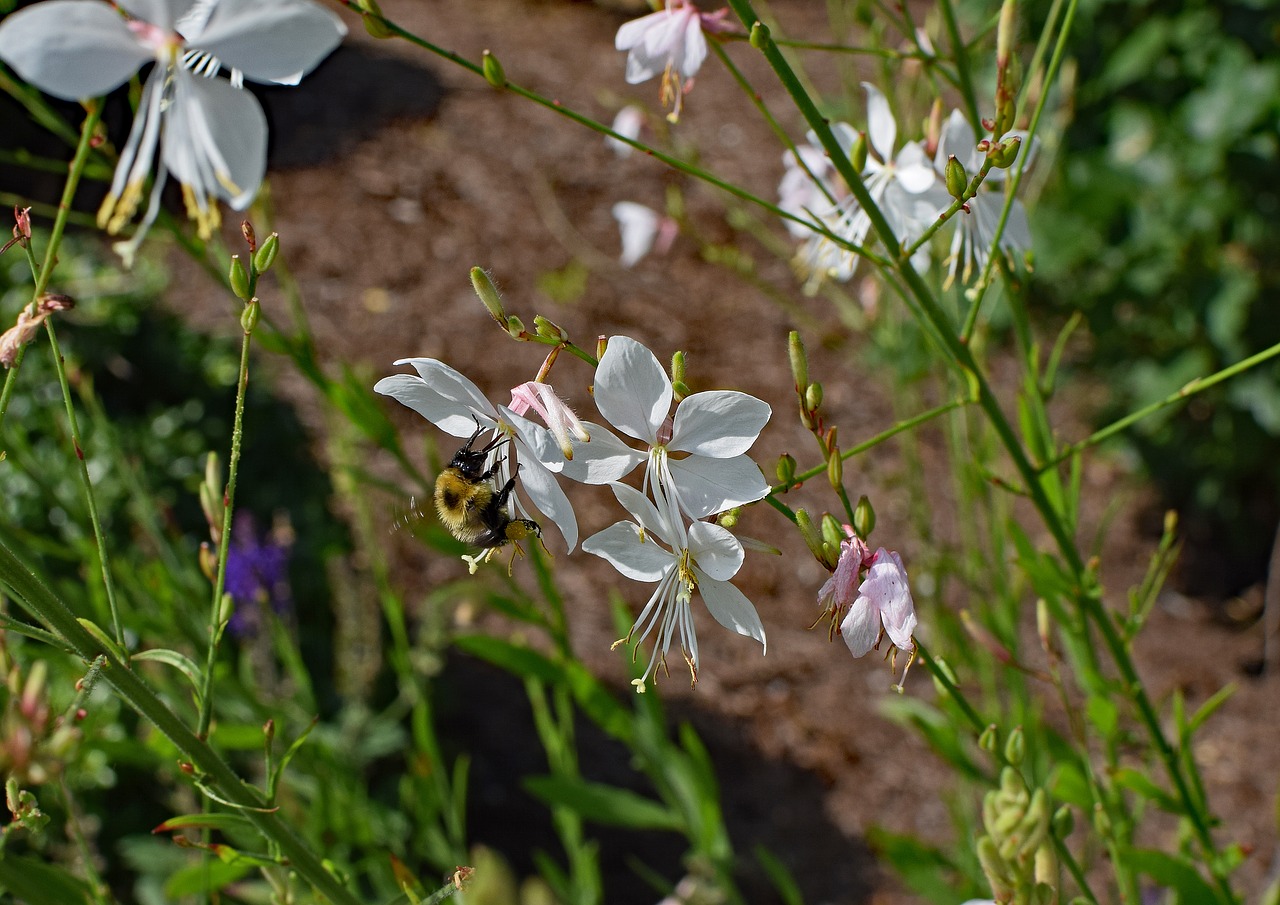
(883, 606)
(669, 42)
(556, 414)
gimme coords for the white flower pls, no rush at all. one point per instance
(883, 606)
(643, 230)
(976, 230)
(627, 123)
(799, 193)
(669, 42)
(702, 558)
(211, 136)
(903, 185)
(455, 405)
(713, 430)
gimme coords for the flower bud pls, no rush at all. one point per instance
(812, 539)
(729, 518)
(239, 279)
(786, 470)
(488, 294)
(832, 533)
(813, 396)
(956, 178)
(266, 255)
(1015, 747)
(250, 237)
(1004, 32)
(1044, 627)
(677, 367)
(515, 327)
(21, 222)
(759, 35)
(249, 317)
(208, 561)
(1064, 822)
(493, 72)
(858, 153)
(602, 344)
(548, 329)
(835, 469)
(269, 730)
(799, 361)
(1004, 154)
(226, 611)
(374, 23)
(864, 518)
(989, 738)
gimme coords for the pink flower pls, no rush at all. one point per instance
(883, 606)
(669, 42)
(838, 594)
(556, 414)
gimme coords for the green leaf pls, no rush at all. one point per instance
(515, 659)
(781, 878)
(1067, 783)
(38, 883)
(1134, 781)
(204, 876)
(1102, 713)
(1174, 874)
(180, 662)
(603, 804)
(216, 821)
(1208, 709)
(102, 638)
(929, 872)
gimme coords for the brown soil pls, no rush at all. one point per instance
(381, 237)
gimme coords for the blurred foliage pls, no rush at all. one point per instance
(1161, 229)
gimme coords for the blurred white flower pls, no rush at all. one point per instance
(643, 230)
(810, 185)
(627, 123)
(669, 42)
(696, 460)
(702, 558)
(976, 230)
(902, 184)
(211, 136)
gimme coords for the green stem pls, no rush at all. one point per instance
(224, 544)
(36, 598)
(961, 53)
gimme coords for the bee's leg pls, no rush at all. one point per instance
(505, 493)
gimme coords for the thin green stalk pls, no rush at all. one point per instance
(961, 53)
(36, 598)
(224, 543)
(100, 540)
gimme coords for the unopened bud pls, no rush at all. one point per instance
(250, 237)
(858, 153)
(786, 470)
(493, 72)
(1015, 747)
(989, 738)
(1004, 32)
(1064, 822)
(835, 469)
(1004, 154)
(226, 610)
(832, 532)
(22, 222)
(266, 255)
(515, 327)
(933, 128)
(729, 518)
(249, 317)
(239, 279)
(864, 518)
(602, 345)
(799, 361)
(269, 730)
(208, 561)
(956, 178)
(1044, 627)
(809, 531)
(488, 294)
(813, 396)
(548, 329)
(373, 20)
(759, 35)
(677, 367)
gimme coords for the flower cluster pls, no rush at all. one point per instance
(210, 135)
(907, 184)
(696, 466)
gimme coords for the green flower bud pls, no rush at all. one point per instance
(809, 531)
(864, 518)
(488, 294)
(213, 472)
(989, 738)
(1004, 154)
(813, 397)
(858, 153)
(249, 317)
(549, 329)
(493, 72)
(266, 255)
(832, 532)
(799, 361)
(374, 23)
(680, 389)
(1064, 822)
(239, 279)
(1015, 747)
(677, 367)
(226, 611)
(835, 469)
(515, 327)
(729, 518)
(786, 470)
(759, 35)
(956, 178)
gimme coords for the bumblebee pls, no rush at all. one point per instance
(471, 505)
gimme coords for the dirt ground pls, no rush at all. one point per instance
(381, 220)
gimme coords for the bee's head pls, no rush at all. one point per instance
(471, 462)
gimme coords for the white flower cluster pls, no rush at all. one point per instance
(696, 466)
(909, 188)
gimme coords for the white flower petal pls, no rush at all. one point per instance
(707, 486)
(914, 170)
(693, 50)
(646, 513)
(538, 442)
(602, 460)
(446, 414)
(882, 130)
(215, 139)
(639, 227)
(957, 139)
(72, 49)
(731, 608)
(160, 13)
(718, 423)
(715, 550)
(620, 544)
(545, 494)
(452, 384)
(269, 41)
(860, 627)
(632, 390)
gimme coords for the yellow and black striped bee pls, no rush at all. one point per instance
(472, 506)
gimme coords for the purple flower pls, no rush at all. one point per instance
(257, 574)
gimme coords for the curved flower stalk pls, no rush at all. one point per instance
(211, 136)
(976, 228)
(709, 434)
(903, 185)
(454, 404)
(702, 557)
(669, 42)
